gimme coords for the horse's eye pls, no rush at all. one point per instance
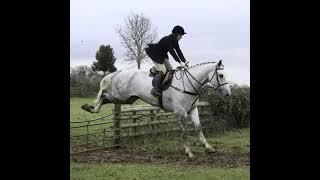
(220, 75)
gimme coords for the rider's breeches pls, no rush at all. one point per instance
(163, 67)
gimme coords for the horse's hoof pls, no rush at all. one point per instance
(85, 107)
(190, 155)
(210, 150)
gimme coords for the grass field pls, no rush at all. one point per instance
(227, 142)
(232, 142)
(150, 172)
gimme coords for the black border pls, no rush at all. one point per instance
(282, 87)
(36, 69)
(36, 124)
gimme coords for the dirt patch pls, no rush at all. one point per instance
(127, 155)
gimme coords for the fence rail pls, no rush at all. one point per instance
(81, 92)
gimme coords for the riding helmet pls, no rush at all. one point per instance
(178, 30)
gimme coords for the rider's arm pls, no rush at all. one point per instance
(177, 48)
(174, 55)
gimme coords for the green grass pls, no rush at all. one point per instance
(149, 172)
(237, 141)
(229, 142)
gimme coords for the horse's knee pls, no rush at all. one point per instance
(181, 114)
(197, 127)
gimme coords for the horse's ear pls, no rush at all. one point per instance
(219, 63)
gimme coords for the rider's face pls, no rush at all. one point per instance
(179, 37)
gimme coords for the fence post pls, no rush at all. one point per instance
(104, 137)
(152, 120)
(88, 138)
(134, 120)
(116, 126)
(81, 91)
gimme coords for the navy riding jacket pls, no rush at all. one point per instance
(159, 51)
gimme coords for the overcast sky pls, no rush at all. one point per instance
(216, 29)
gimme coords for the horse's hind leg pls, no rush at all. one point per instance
(194, 116)
(96, 107)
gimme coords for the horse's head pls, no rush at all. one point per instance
(218, 81)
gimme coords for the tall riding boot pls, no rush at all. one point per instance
(157, 83)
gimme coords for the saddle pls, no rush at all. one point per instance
(165, 83)
(167, 79)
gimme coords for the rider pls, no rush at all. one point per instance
(158, 54)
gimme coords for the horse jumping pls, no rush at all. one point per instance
(126, 86)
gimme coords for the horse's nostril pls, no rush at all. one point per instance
(227, 94)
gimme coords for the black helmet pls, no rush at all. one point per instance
(178, 30)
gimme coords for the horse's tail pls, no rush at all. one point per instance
(102, 87)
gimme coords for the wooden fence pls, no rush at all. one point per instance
(81, 92)
(147, 120)
(127, 122)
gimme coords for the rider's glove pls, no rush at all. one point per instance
(182, 64)
(187, 64)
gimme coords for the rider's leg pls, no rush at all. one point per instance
(160, 67)
(168, 65)
(157, 82)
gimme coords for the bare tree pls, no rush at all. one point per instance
(135, 35)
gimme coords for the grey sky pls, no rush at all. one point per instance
(216, 29)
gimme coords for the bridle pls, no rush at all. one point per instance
(197, 92)
(219, 84)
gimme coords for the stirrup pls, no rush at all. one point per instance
(155, 93)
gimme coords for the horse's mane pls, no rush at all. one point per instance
(202, 64)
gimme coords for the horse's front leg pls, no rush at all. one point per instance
(182, 119)
(194, 116)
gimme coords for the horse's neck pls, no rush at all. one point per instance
(200, 73)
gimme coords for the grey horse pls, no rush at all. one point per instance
(126, 86)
